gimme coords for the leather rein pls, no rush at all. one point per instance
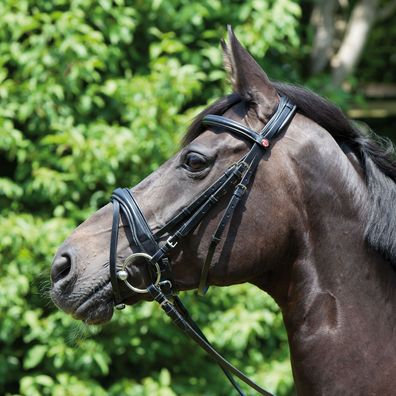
(148, 249)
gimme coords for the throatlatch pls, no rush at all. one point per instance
(146, 245)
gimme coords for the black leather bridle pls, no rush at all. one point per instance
(147, 247)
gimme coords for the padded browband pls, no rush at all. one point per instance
(231, 126)
(278, 121)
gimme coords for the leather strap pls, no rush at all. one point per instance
(226, 218)
(278, 121)
(231, 126)
(113, 253)
(141, 234)
(231, 176)
(179, 306)
(185, 326)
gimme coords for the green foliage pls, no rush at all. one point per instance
(96, 94)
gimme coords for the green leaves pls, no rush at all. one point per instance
(96, 94)
(34, 356)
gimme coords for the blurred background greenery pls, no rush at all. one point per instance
(96, 94)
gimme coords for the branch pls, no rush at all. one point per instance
(323, 19)
(359, 25)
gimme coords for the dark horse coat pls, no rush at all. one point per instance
(316, 231)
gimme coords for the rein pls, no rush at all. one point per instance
(147, 245)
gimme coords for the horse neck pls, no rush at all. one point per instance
(338, 296)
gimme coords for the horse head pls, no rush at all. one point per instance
(257, 238)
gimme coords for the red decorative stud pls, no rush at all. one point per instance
(265, 143)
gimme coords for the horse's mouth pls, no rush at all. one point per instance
(97, 307)
(91, 304)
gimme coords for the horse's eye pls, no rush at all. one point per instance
(195, 162)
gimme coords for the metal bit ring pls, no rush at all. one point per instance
(122, 274)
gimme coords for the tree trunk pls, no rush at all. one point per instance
(323, 18)
(359, 25)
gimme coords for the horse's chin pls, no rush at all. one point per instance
(96, 309)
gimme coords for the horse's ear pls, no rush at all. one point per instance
(247, 77)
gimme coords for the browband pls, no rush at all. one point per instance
(278, 121)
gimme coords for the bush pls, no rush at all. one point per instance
(96, 94)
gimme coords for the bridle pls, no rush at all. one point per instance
(146, 244)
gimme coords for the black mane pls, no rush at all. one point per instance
(375, 154)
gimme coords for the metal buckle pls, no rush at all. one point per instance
(166, 283)
(245, 164)
(123, 274)
(170, 243)
(242, 186)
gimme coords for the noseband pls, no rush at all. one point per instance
(147, 246)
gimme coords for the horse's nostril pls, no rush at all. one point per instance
(61, 267)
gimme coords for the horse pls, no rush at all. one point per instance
(315, 229)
